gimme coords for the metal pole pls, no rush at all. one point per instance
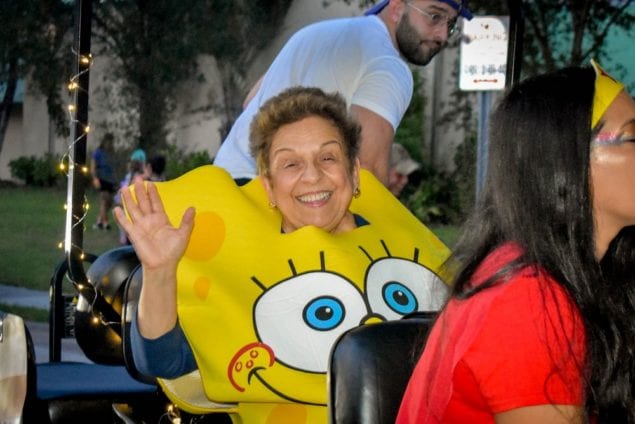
(512, 73)
(482, 139)
(77, 175)
(515, 42)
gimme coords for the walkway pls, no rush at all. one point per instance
(19, 296)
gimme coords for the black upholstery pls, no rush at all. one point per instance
(369, 369)
(102, 391)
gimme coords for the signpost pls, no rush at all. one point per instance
(483, 59)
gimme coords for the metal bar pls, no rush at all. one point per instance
(74, 238)
(515, 42)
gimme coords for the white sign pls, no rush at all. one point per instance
(484, 53)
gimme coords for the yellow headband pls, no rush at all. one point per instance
(606, 90)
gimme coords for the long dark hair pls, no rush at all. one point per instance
(538, 194)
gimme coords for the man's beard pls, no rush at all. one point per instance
(409, 44)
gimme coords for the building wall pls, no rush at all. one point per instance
(196, 125)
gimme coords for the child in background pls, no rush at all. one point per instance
(137, 171)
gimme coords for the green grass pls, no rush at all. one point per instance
(31, 229)
(448, 234)
(27, 313)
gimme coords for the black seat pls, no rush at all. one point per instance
(100, 391)
(369, 369)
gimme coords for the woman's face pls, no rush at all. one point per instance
(613, 170)
(310, 180)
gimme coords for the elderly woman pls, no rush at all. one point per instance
(306, 148)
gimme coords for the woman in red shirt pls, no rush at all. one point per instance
(540, 325)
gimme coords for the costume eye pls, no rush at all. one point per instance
(399, 298)
(396, 287)
(324, 313)
(301, 317)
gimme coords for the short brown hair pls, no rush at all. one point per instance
(295, 104)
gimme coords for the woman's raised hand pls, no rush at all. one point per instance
(157, 243)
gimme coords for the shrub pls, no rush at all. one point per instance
(178, 162)
(432, 196)
(34, 171)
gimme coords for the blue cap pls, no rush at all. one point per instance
(460, 7)
(138, 155)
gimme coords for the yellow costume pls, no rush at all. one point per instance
(261, 309)
(606, 90)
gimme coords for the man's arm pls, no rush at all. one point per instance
(376, 139)
(252, 92)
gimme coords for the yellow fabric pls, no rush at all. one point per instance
(606, 89)
(254, 302)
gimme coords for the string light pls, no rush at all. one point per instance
(67, 163)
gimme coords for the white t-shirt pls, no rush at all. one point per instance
(353, 56)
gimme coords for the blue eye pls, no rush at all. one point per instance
(399, 298)
(323, 313)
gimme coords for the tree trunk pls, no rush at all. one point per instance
(7, 101)
(152, 119)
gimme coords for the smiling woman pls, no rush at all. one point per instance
(269, 274)
(306, 150)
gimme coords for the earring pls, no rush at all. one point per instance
(272, 205)
(357, 192)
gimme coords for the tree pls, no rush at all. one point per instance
(156, 44)
(565, 32)
(153, 49)
(238, 30)
(33, 44)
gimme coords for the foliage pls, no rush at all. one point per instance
(178, 162)
(34, 44)
(432, 199)
(235, 33)
(410, 130)
(38, 172)
(464, 177)
(432, 195)
(157, 45)
(562, 33)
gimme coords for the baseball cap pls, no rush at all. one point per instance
(138, 155)
(458, 5)
(401, 161)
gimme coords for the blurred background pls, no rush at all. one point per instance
(169, 77)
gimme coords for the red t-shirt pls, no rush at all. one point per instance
(520, 343)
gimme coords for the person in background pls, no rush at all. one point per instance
(155, 168)
(540, 325)
(103, 175)
(137, 172)
(401, 166)
(363, 58)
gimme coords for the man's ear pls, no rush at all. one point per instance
(395, 9)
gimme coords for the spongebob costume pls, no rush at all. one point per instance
(261, 309)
